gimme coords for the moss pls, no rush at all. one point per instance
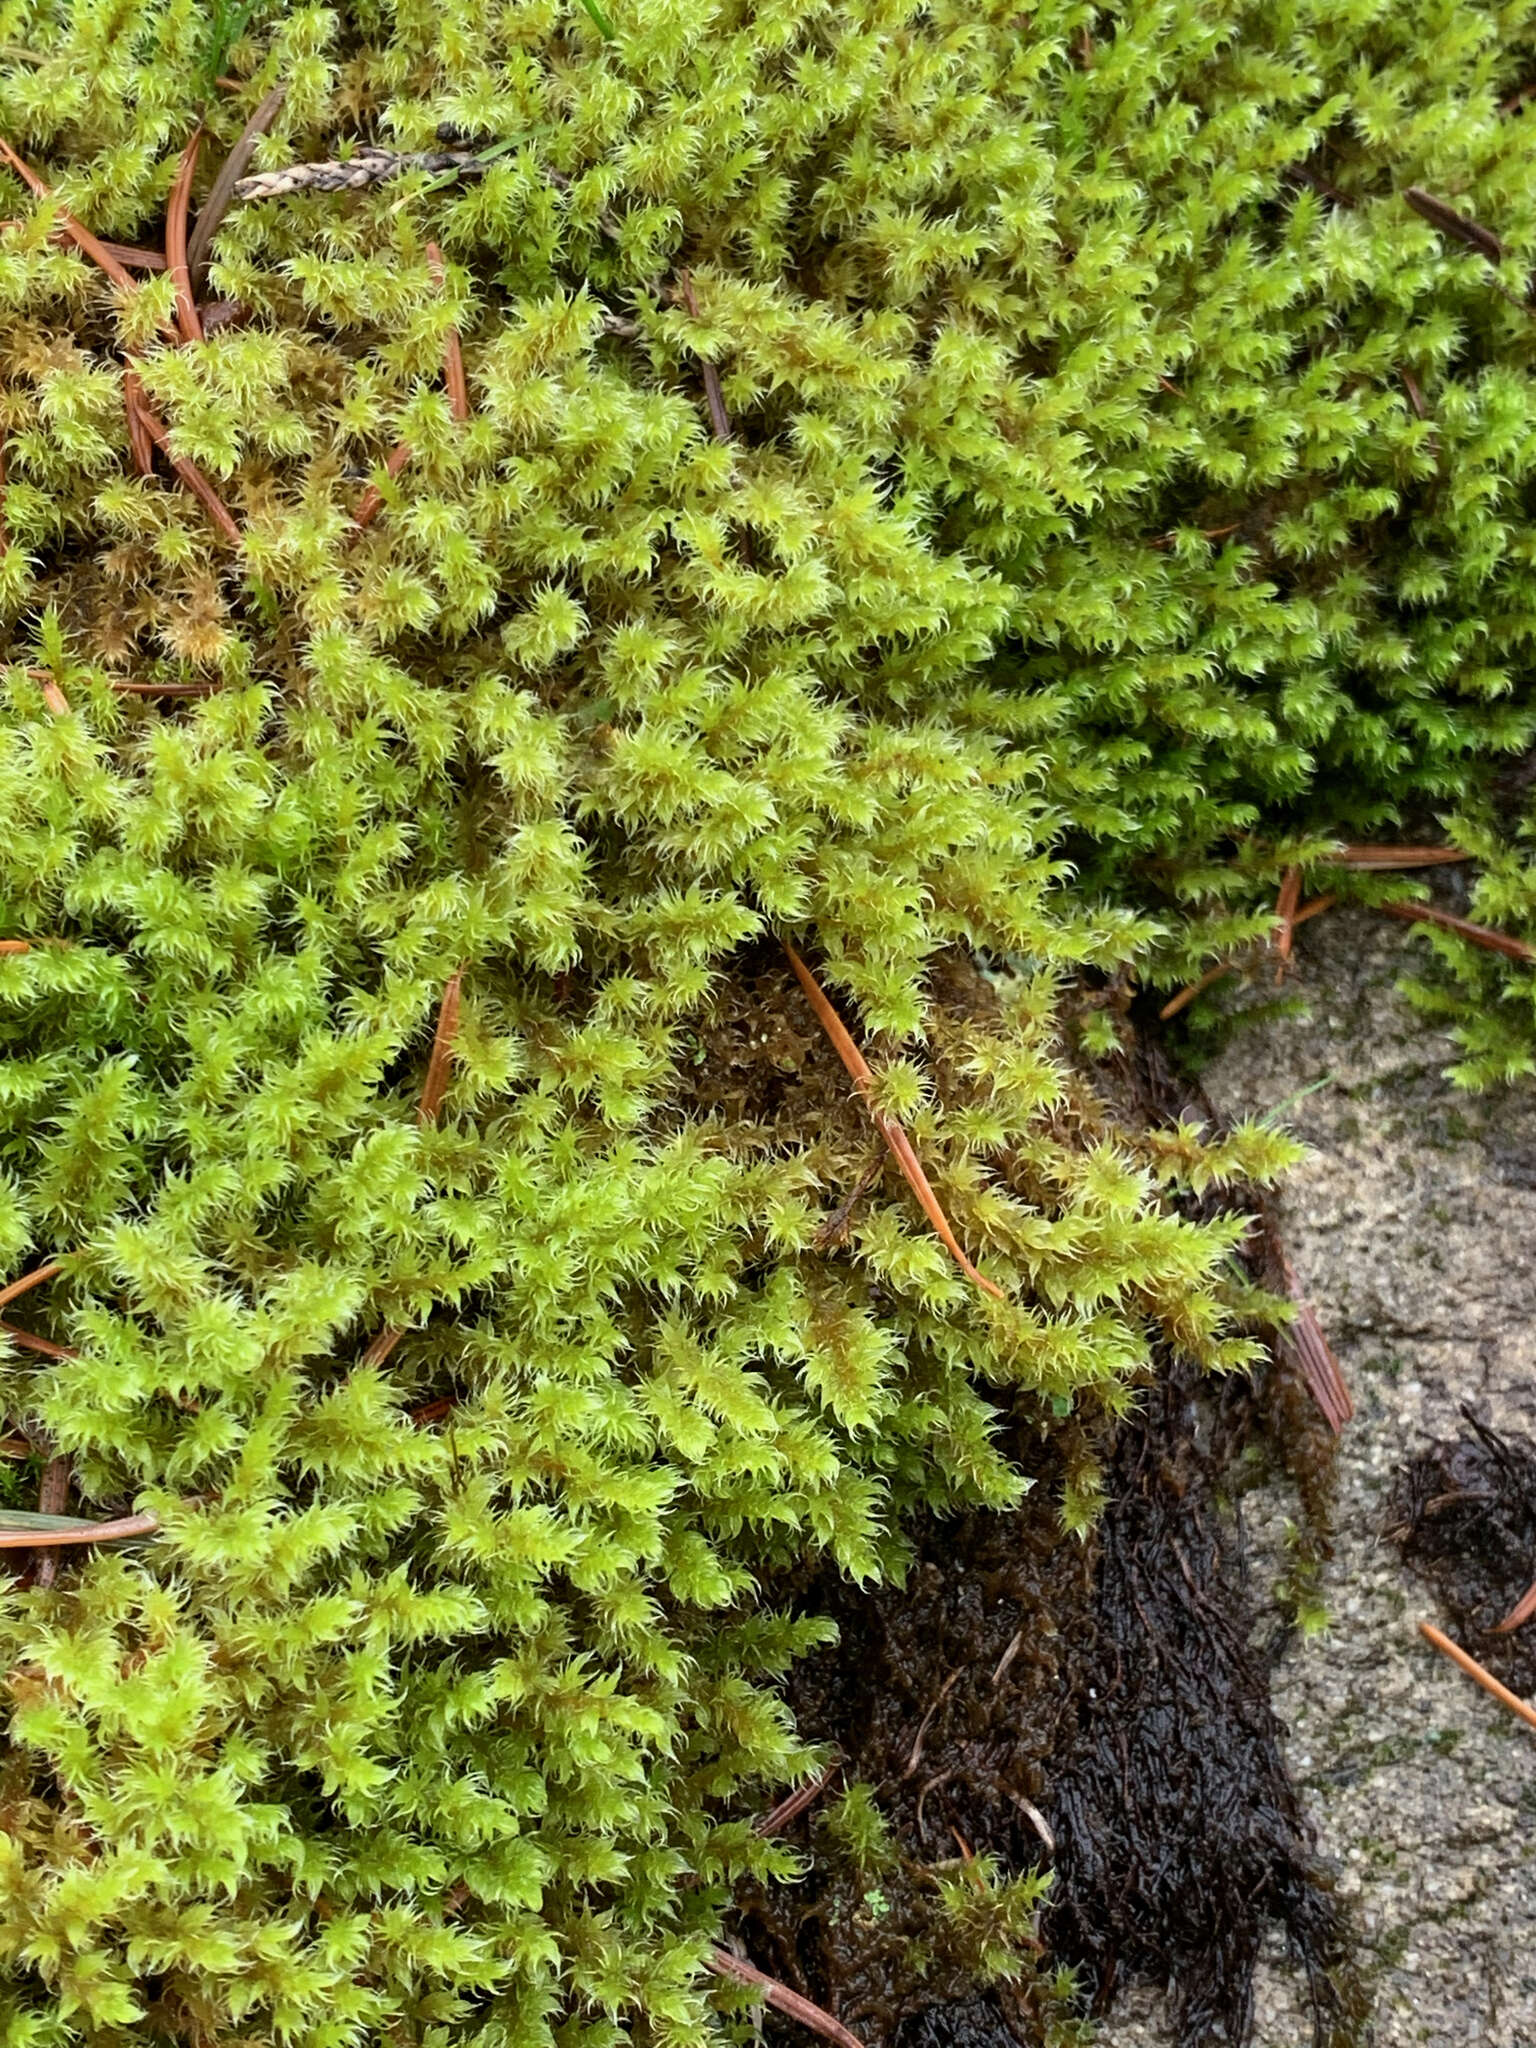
(833, 551)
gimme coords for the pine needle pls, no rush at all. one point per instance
(1476, 934)
(781, 1998)
(1474, 1670)
(231, 171)
(88, 244)
(892, 1132)
(371, 503)
(191, 476)
(22, 1531)
(440, 1065)
(1187, 995)
(28, 1281)
(1372, 858)
(176, 240)
(454, 380)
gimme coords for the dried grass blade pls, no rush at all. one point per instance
(231, 171)
(176, 240)
(901, 1145)
(781, 1998)
(1477, 934)
(1519, 1614)
(440, 1065)
(1475, 1671)
(28, 1281)
(38, 1536)
(454, 380)
(371, 503)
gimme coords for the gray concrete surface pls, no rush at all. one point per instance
(1413, 1228)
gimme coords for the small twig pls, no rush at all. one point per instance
(781, 1998)
(1384, 858)
(1003, 1663)
(176, 240)
(892, 1132)
(23, 1538)
(216, 205)
(191, 476)
(371, 503)
(1477, 934)
(368, 165)
(833, 1230)
(714, 397)
(1475, 1670)
(795, 1803)
(28, 1281)
(454, 379)
(1415, 395)
(440, 1065)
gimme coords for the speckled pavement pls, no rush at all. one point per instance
(1413, 1228)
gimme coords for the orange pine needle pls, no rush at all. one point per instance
(15, 946)
(371, 503)
(28, 1281)
(87, 243)
(59, 705)
(176, 240)
(454, 380)
(1477, 934)
(895, 1137)
(1187, 995)
(140, 442)
(440, 1065)
(382, 1345)
(1518, 1615)
(1285, 917)
(1474, 1670)
(43, 1346)
(1313, 909)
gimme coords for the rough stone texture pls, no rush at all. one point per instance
(1413, 1228)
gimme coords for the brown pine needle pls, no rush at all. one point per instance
(28, 1281)
(892, 1132)
(1285, 918)
(15, 946)
(88, 244)
(382, 1345)
(59, 705)
(1187, 995)
(371, 503)
(1372, 858)
(176, 240)
(795, 1803)
(1519, 1614)
(1460, 226)
(231, 171)
(1313, 909)
(140, 441)
(1474, 1670)
(79, 1532)
(440, 1065)
(781, 1998)
(434, 1411)
(52, 1499)
(43, 1346)
(191, 476)
(1477, 934)
(454, 380)
(163, 689)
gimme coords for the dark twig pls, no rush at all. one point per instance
(795, 1803)
(1286, 906)
(1460, 226)
(781, 1998)
(714, 397)
(835, 1228)
(52, 1500)
(1313, 1354)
